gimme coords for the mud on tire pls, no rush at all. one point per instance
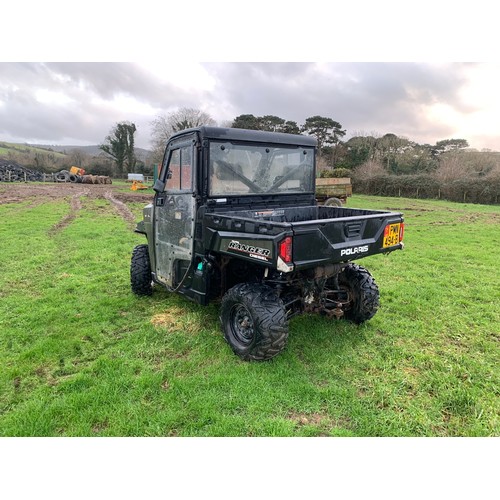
(363, 292)
(254, 321)
(140, 271)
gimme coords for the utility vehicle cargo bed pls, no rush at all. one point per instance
(320, 234)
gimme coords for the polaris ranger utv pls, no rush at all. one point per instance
(235, 217)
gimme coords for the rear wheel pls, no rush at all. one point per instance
(362, 291)
(333, 202)
(254, 322)
(140, 271)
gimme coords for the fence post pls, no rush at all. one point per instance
(417, 192)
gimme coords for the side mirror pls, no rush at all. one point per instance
(159, 186)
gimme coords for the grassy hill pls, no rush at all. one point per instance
(92, 150)
(58, 151)
(52, 158)
(11, 147)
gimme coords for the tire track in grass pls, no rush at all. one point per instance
(121, 208)
(75, 206)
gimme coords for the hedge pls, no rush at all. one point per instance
(476, 190)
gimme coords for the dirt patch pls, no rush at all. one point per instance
(406, 209)
(486, 218)
(100, 426)
(483, 218)
(38, 193)
(308, 418)
(175, 320)
(320, 420)
(133, 197)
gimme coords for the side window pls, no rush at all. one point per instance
(174, 167)
(186, 162)
(180, 170)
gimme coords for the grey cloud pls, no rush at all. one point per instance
(109, 79)
(386, 97)
(22, 115)
(363, 97)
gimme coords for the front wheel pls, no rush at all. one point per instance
(254, 322)
(362, 291)
(140, 271)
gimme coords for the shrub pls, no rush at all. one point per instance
(484, 189)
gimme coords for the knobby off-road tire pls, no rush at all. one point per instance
(140, 271)
(254, 321)
(363, 292)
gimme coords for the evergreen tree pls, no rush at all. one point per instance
(119, 146)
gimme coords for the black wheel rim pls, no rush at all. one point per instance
(242, 325)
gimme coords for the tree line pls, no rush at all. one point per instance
(386, 164)
(378, 164)
(395, 154)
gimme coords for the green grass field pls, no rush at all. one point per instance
(81, 356)
(9, 147)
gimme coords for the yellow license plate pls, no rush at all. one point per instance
(391, 235)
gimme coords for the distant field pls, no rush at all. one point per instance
(7, 147)
(59, 151)
(80, 355)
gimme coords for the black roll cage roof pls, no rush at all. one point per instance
(238, 134)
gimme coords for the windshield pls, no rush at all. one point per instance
(243, 169)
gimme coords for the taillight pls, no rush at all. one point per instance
(401, 231)
(285, 250)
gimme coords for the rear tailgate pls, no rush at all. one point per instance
(319, 234)
(340, 239)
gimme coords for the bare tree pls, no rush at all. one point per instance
(163, 126)
(451, 168)
(466, 165)
(78, 157)
(369, 170)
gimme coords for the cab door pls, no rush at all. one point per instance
(174, 214)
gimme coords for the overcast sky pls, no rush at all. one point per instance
(79, 102)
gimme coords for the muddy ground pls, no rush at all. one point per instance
(36, 194)
(17, 192)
